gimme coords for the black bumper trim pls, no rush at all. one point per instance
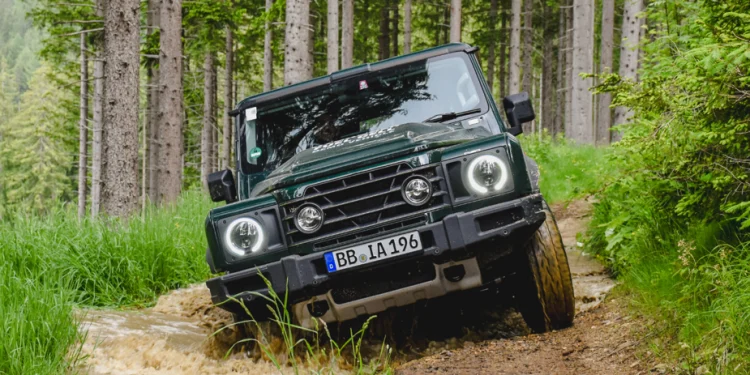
(299, 276)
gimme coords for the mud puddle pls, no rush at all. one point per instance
(173, 336)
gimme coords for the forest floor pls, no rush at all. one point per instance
(172, 337)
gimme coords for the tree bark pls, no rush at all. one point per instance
(120, 127)
(226, 156)
(170, 115)
(208, 119)
(455, 21)
(384, 37)
(394, 29)
(629, 50)
(297, 62)
(528, 46)
(515, 47)
(152, 107)
(604, 117)
(491, 47)
(568, 68)
(407, 26)
(560, 92)
(268, 52)
(83, 132)
(333, 36)
(548, 74)
(502, 76)
(582, 127)
(97, 118)
(347, 34)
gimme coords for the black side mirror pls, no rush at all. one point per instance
(519, 110)
(221, 186)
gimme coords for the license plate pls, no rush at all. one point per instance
(373, 252)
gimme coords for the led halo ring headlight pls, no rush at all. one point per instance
(245, 236)
(486, 173)
(309, 218)
(416, 190)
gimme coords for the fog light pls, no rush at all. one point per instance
(416, 191)
(309, 218)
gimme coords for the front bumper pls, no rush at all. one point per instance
(483, 233)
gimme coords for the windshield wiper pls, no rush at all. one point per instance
(451, 115)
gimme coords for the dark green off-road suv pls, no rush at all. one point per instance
(383, 185)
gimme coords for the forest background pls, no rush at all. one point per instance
(130, 126)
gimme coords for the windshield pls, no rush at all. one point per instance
(273, 132)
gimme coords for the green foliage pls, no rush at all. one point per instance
(568, 170)
(50, 264)
(38, 326)
(676, 224)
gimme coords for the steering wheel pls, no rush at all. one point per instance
(467, 94)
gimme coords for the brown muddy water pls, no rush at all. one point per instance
(173, 337)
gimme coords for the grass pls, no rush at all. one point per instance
(51, 264)
(322, 355)
(690, 274)
(568, 170)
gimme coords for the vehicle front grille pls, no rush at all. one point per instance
(364, 205)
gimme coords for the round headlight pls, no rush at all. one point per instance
(244, 236)
(309, 218)
(416, 191)
(486, 173)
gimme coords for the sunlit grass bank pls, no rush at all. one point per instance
(691, 275)
(568, 170)
(50, 264)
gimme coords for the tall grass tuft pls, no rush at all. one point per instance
(323, 355)
(51, 264)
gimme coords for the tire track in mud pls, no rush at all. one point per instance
(172, 337)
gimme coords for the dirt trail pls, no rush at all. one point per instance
(172, 337)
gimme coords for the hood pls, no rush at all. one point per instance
(365, 149)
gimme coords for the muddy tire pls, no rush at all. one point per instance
(545, 296)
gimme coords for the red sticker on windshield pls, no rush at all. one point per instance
(362, 84)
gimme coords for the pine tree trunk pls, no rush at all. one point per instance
(527, 80)
(208, 119)
(515, 47)
(629, 50)
(568, 69)
(582, 127)
(548, 74)
(268, 53)
(215, 162)
(491, 47)
(170, 115)
(347, 34)
(297, 62)
(152, 107)
(333, 36)
(604, 117)
(528, 46)
(394, 28)
(83, 132)
(384, 37)
(502, 77)
(560, 92)
(226, 155)
(455, 21)
(97, 118)
(407, 26)
(120, 127)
